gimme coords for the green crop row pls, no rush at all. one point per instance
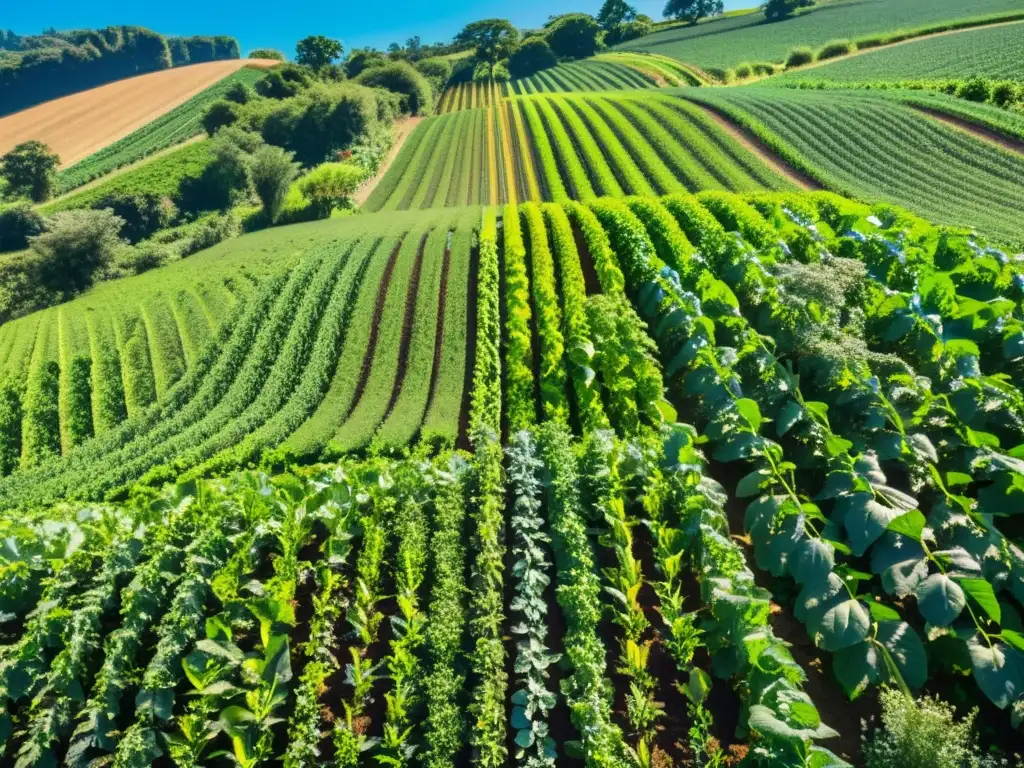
(517, 339)
(181, 123)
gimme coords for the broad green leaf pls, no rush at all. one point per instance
(996, 670)
(857, 667)
(982, 593)
(940, 599)
(906, 649)
(790, 414)
(1013, 639)
(865, 520)
(844, 625)
(811, 561)
(750, 485)
(750, 412)
(882, 612)
(910, 524)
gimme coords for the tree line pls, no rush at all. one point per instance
(55, 64)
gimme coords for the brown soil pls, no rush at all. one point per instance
(403, 130)
(590, 277)
(751, 142)
(378, 311)
(75, 126)
(976, 130)
(407, 321)
(471, 331)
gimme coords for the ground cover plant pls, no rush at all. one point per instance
(990, 52)
(724, 43)
(843, 375)
(176, 126)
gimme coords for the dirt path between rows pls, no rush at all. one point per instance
(750, 141)
(403, 130)
(854, 54)
(980, 132)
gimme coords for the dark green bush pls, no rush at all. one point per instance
(532, 56)
(799, 56)
(240, 93)
(575, 36)
(143, 213)
(743, 70)
(74, 248)
(18, 223)
(402, 78)
(628, 30)
(835, 48)
(283, 82)
(219, 114)
(975, 89)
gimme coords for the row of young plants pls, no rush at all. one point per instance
(883, 509)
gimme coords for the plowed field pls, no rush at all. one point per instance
(76, 126)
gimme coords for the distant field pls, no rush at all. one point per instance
(995, 52)
(181, 123)
(562, 146)
(588, 75)
(730, 41)
(79, 125)
(877, 148)
(160, 176)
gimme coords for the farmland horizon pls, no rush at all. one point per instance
(362, 26)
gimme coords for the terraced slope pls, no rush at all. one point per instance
(587, 75)
(994, 52)
(849, 373)
(180, 124)
(568, 146)
(879, 149)
(727, 42)
(79, 125)
(207, 363)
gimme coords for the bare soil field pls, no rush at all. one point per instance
(75, 126)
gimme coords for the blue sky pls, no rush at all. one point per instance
(261, 23)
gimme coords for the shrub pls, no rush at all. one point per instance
(283, 82)
(629, 30)
(835, 48)
(210, 231)
(360, 60)
(30, 169)
(18, 223)
(482, 72)
(975, 89)
(1005, 92)
(239, 93)
(799, 56)
(743, 70)
(144, 257)
(143, 213)
(74, 248)
(722, 75)
(218, 115)
(921, 732)
(575, 36)
(763, 68)
(225, 179)
(776, 10)
(499, 72)
(327, 117)
(402, 78)
(437, 72)
(532, 56)
(266, 53)
(272, 171)
(331, 186)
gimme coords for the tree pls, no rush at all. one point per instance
(532, 56)
(30, 169)
(75, 247)
(630, 30)
(414, 47)
(266, 53)
(402, 78)
(18, 223)
(219, 114)
(692, 11)
(493, 39)
(362, 59)
(144, 213)
(575, 36)
(317, 51)
(331, 186)
(272, 171)
(615, 12)
(776, 10)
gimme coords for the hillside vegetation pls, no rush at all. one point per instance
(76, 127)
(802, 349)
(520, 400)
(730, 41)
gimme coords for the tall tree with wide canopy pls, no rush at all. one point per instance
(494, 39)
